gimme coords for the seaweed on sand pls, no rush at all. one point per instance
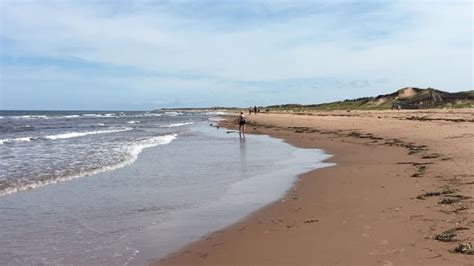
(449, 235)
(464, 249)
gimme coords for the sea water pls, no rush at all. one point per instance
(101, 188)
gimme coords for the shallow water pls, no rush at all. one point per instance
(171, 195)
(41, 148)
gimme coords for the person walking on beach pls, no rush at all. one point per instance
(250, 110)
(255, 109)
(241, 123)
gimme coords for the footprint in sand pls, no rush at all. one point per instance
(387, 263)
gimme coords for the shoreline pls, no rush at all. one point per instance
(363, 211)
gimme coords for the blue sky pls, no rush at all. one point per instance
(141, 55)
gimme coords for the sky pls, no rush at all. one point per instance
(143, 55)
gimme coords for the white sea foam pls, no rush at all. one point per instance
(217, 113)
(215, 119)
(145, 115)
(24, 126)
(133, 122)
(173, 113)
(71, 116)
(135, 149)
(178, 124)
(100, 115)
(30, 117)
(22, 139)
(64, 135)
(214, 116)
(81, 134)
(132, 150)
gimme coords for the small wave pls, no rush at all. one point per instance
(149, 114)
(132, 150)
(137, 148)
(63, 135)
(178, 124)
(71, 116)
(81, 134)
(145, 115)
(23, 139)
(173, 113)
(217, 113)
(133, 122)
(21, 128)
(30, 117)
(109, 115)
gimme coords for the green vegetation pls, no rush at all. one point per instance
(406, 98)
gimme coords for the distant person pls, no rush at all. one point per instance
(250, 110)
(242, 123)
(255, 109)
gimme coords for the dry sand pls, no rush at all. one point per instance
(370, 209)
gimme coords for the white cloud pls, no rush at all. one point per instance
(424, 43)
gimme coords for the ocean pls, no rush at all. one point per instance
(121, 188)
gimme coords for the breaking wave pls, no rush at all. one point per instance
(132, 151)
(178, 124)
(63, 135)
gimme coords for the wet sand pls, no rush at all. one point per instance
(402, 180)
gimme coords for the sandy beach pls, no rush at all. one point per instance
(400, 194)
(121, 141)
